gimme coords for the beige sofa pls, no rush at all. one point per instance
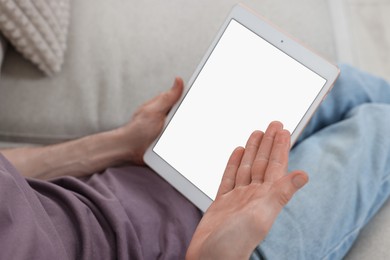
(120, 53)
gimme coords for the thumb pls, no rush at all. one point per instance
(165, 101)
(287, 186)
(174, 94)
(177, 89)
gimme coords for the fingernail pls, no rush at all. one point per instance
(299, 181)
(176, 82)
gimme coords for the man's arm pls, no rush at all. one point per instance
(77, 158)
(97, 152)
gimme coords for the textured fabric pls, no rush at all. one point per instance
(38, 29)
(24, 224)
(345, 151)
(124, 213)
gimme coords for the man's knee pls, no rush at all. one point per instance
(351, 80)
(372, 115)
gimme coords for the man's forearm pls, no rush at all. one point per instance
(97, 152)
(77, 158)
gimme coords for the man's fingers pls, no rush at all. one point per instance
(278, 160)
(251, 148)
(283, 190)
(229, 176)
(165, 101)
(262, 157)
(286, 187)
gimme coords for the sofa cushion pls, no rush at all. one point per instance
(7, 145)
(121, 53)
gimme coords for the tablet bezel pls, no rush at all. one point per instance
(278, 39)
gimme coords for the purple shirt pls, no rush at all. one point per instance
(122, 213)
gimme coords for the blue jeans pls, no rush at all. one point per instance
(345, 150)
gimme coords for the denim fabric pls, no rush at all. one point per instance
(345, 149)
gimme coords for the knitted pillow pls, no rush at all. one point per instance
(37, 29)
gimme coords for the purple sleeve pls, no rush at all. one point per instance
(26, 232)
(123, 213)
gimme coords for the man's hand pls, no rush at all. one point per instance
(254, 189)
(148, 121)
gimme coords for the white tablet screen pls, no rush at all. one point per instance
(245, 84)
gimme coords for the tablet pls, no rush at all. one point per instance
(251, 75)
